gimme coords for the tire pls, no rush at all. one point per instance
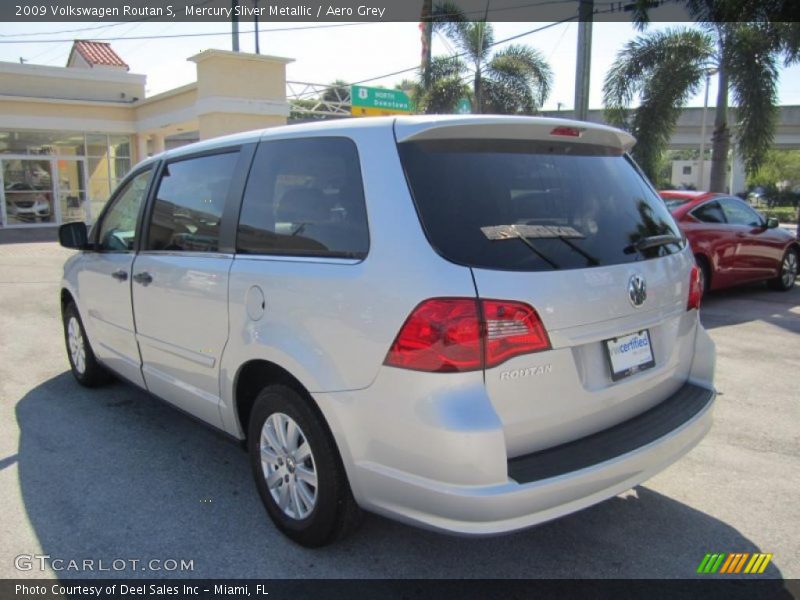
(705, 273)
(788, 272)
(286, 473)
(83, 364)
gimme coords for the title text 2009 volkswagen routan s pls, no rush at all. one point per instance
(471, 324)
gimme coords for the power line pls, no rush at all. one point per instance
(613, 7)
(189, 35)
(93, 28)
(80, 29)
(414, 68)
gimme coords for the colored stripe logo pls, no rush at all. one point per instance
(735, 562)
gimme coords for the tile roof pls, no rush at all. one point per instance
(97, 53)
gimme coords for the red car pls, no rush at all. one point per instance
(732, 243)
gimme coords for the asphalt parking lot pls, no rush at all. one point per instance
(114, 474)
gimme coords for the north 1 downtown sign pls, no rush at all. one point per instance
(376, 102)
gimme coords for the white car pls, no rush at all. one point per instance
(26, 203)
(472, 324)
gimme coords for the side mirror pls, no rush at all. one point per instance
(772, 223)
(74, 235)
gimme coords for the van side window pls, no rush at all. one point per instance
(118, 226)
(189, 203)
(305, 198)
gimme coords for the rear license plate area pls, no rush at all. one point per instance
(629, 354)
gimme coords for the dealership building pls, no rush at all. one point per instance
(69, 134)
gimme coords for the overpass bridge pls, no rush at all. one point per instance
(687, 133)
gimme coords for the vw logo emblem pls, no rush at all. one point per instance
(637, 290)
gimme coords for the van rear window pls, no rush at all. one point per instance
(535, 206)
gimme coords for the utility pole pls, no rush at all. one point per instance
(255, 18)
(701, 174)
(426, 28)
(584, 66)
(234, 26)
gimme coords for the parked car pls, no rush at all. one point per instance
(472, 324)
(733, 243)
(27, 203)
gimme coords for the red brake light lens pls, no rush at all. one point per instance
(445, 335)
(441, 335)
(695, 289)
(563, 130)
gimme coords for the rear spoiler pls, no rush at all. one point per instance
(451, 127)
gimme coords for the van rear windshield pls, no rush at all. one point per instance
(535, 206)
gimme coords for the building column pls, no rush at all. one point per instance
(738, 179)
(141, 147)
(158, 143)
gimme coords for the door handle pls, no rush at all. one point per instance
(120, 275)
(144, 278)
(741, 235)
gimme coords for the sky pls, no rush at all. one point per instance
(322, 53)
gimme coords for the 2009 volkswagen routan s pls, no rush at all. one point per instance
(472, 324)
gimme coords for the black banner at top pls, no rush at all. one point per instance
(409, 589)
(373, 10)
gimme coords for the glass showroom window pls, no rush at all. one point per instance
(108, 161)
(51, 177)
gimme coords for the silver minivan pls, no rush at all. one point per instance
(472, 324)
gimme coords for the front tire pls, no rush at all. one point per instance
(788, 272)
(83, 364)
(297, 469)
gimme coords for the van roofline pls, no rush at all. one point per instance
(419, 127)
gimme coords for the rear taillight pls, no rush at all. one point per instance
(695, 289)
(512, 328)
(446, 335)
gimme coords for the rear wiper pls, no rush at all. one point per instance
(526, 232)
(654, 241)
(510, 232)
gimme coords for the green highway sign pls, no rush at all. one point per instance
(370, 101)
(464, 107)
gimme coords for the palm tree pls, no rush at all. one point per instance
(447, 86)
(665, 69)
(515, 80)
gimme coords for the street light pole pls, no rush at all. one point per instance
(234, 26)
(584, 62)
(255, 18)
(702, 170)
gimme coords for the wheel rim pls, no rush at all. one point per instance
(789, 270)
(77, 348)
(288, 466)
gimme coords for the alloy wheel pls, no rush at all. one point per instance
(288, 466)
(77, 348)
(789, 269)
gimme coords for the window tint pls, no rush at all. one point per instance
(189, 203)
(305, 198)
(530, 206)
(738, 213)
(118, 227)
(710, 212)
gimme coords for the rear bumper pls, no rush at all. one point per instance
(550, 483)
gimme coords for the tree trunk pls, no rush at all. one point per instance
(427, 33)
(721, 139)
(478, 91)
